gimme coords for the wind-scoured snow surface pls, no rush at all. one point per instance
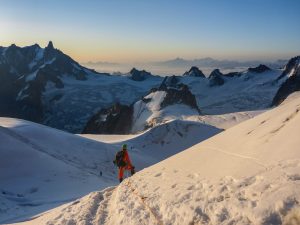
(42, 167)
(248, 174)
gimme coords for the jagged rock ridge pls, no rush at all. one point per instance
(139, 75)
(25, 72)
(292, 83)
(259, 69)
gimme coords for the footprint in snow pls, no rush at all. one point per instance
(157, 175)
(156, 189)
(191, 188)
(294, 177)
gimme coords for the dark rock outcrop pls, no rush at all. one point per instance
(194, 72)
(139, 75)
(216, 78)
(292, 83)
(233, 74)
(170, 81)
(291, 68)
(288, 87)
(259, 69)
(179, 95)
(114, 120)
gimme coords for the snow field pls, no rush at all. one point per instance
(248, 174)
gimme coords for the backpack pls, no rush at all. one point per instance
(119, 159)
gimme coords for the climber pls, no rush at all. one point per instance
(123, 161)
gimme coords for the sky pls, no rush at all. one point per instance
(144, 30)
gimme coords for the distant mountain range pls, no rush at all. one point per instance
(47, 86)
(179, 65)
(221, 64)
(202, 62)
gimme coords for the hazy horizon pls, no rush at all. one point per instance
(175, 66)
(162, 68)
(143, 31)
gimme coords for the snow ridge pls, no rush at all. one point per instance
(248, 174)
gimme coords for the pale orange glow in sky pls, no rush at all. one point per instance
(140, 31)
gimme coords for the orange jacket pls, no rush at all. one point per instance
(126, 158)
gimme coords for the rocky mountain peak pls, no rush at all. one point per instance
(50, 51)
(194, 72)
(259, 69)
(33, 47)
(139, 75)
(133, 70)
(292, 68)
(292, 83)
(216, 78)
(170, 81)
(12, 46)
(180, 95)
(50, 45)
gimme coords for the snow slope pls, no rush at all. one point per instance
(162, 141)
(223, 121)
(248, 174)
(42, 167)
